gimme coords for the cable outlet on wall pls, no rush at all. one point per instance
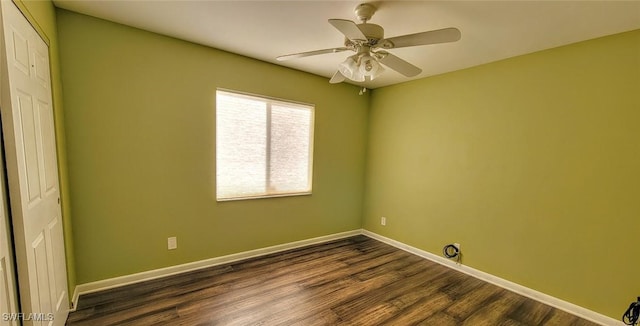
(383, 221)
(457, 245)
(172, 243)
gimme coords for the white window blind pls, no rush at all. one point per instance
(264, 147)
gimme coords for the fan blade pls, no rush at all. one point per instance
(445, 35)
(398, 64)
(348, 28)
(310, 53)
(337, 78)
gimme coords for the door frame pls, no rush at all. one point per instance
(8, 271)
(13, 298)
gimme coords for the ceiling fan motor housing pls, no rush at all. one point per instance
(373, 32)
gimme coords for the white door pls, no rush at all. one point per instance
(8, 303)
(31, 161)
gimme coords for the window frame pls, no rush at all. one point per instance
(269, 101)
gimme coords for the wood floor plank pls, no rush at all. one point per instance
(440, 318)
(164, 317)
(531, 311)
(352, 281)
(363, 301)
(465, 306)
(141, 290)
(420, 310)
(495, 310)
(559, 317)
(308, 304)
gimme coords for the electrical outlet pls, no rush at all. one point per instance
(172, 243)
(383, 221)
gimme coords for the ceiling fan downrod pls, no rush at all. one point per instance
(364, 12)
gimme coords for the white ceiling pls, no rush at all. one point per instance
(491, 30)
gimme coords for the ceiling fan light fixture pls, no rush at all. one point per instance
(357, 76)
(348, 66)
(350, 69)
(369, 66)
(378, 72)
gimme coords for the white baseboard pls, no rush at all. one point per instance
(74, 299)
(514, 287)
(172, 270)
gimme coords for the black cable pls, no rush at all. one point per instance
(450, 251)
(632, 314)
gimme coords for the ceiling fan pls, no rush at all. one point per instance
(368, 42)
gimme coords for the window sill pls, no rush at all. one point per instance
(264, 196)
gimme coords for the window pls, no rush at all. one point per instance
(264, 147)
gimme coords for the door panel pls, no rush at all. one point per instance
(20, 52)
(58, 278)
(28, 145)
(41, 67)
(31, 161)
(48, 148)
(7, 287)
(42, 300)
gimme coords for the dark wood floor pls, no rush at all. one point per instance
(354, 281)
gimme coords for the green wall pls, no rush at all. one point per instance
(140, 126)
(531, 163)
(42, 15)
